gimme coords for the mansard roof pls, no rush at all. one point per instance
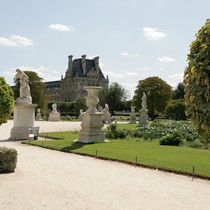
(77, 69)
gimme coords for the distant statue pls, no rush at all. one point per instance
(144, 101)
(106, 115)
(54, 107)
(25, 95)
(106, 107)
(143, 116)
(38, 115)
(132, 115)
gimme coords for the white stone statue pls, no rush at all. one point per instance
(143, 118)
(106, 115)
(54, 107)
(144, 101)
(54, 115)
(38, 115)
(25, 95)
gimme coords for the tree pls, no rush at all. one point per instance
(115, 96)
(158, 94)
(197, 81)
(179, 91)
(175, 109)
(6, 101)
(36, 87)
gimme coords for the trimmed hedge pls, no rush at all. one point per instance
(8, 160)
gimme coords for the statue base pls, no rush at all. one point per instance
(132, 119)
(91, 128)
(143, 119)
(54, 117)
(24, 115)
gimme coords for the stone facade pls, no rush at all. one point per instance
(81, 72)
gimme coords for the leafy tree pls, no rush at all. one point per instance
(115, 96)
(6, 101)
(69, 108)
(158, 94)
(179, 91)
(37, 89)
(176, 109)
(197, 81)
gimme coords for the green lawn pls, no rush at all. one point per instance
(148, 153)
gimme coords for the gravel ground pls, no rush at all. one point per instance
(46, 179)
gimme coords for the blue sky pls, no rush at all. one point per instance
(135, 39)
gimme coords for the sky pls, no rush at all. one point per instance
(135, 39)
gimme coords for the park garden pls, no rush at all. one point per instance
(164, 144)
(178, 146)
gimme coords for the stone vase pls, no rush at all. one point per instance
(91, 126)
(92, 98)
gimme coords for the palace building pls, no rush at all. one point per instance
(81, 72)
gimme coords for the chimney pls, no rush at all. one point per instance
(84, 64)
(70, 62)
(97, 63)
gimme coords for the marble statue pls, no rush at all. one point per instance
(54, 107)
(143, 116)
(144, 101)
(25, 95)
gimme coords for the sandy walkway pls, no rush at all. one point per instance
(46, 179)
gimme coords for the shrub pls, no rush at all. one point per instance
(196, 144)
(176, 109)
(8, 160)
(114, 133)
(174, 139)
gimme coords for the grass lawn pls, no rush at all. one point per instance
(148, 153)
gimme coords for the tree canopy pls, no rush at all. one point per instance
(37, 89)
(6, 101)
(158, 94)
(179, 91)
(115, 96)
(197, 81)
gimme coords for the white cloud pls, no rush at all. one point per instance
(113, 74)
(60, 27)
(146, 68)
(21, 41)
(153, 34)
(178, 76)
(166, 59)
(132, 73)
(15, 41)
(128, 54)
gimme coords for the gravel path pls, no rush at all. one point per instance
(46, 179)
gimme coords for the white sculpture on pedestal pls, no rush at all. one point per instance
(91, 126)
(38, 115)
(24, 111)
(25, 95)
(132, 116)
(54, 115)
(106, 117)
(143, 119)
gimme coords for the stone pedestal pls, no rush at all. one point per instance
(132, 116)
(132, 119)
(91, 128)
(23, 123)
(54, 117)
(143, 119)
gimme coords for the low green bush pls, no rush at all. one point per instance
(173, 139)
(8, 160)
(114, 133)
